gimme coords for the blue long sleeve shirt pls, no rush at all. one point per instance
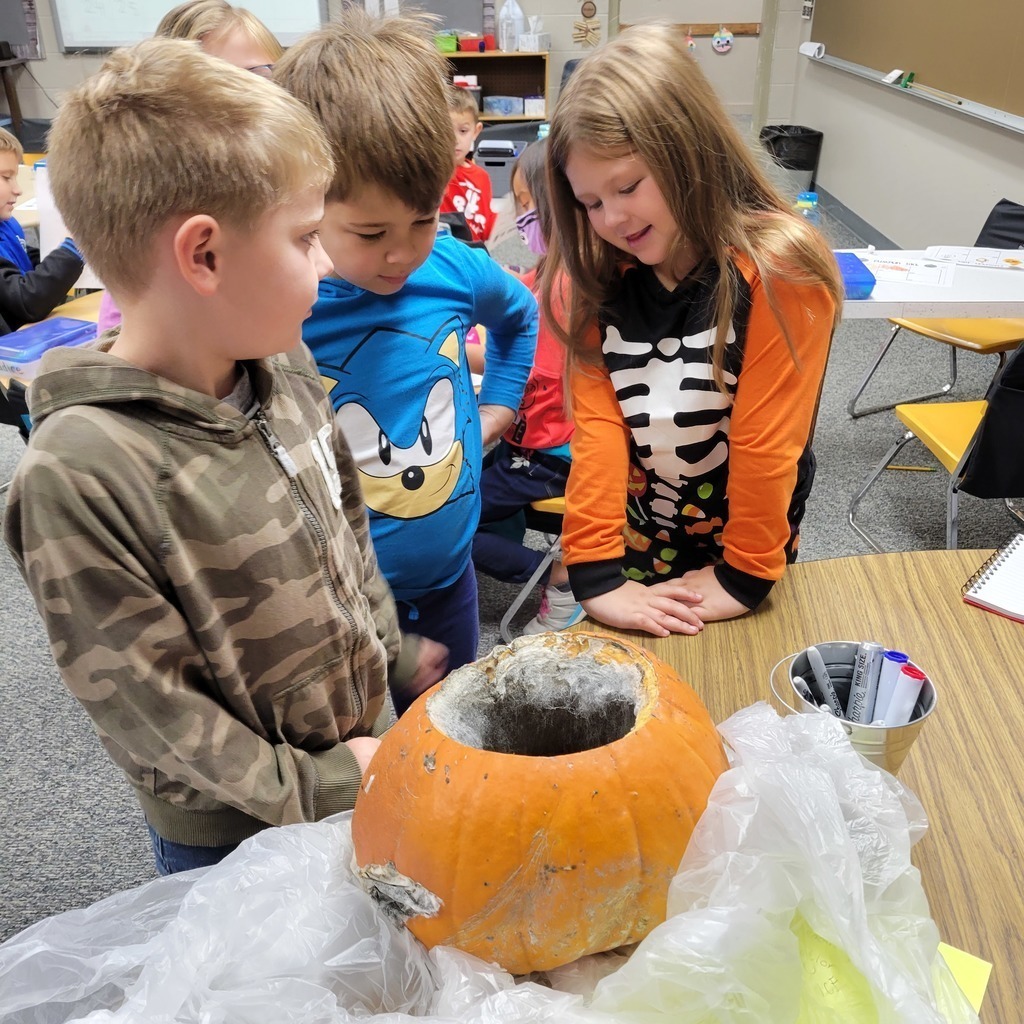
(30, 289)
(12, 245)
(395, 367)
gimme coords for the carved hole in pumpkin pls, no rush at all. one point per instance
(539, 702)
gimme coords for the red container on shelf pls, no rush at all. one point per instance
(489, 43)
(471, 44)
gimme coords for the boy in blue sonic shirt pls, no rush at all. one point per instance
(29, 289)
(388, 329)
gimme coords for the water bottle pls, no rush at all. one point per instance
(807, 206)
(510, 26)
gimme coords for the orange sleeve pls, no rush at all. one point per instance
(595, 497)
(776, 397)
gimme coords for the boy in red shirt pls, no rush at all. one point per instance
(469, 191)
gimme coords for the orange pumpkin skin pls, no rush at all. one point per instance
(539, 860)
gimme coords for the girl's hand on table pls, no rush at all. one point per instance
(661, 609)
(715, 602)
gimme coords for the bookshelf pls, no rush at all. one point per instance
(505, 74)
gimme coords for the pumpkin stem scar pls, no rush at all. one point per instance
(397, 895)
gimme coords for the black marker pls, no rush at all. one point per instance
(824, 681)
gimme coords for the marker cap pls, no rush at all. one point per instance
(892, 661)
(904, 698)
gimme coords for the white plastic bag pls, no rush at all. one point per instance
(796, 903)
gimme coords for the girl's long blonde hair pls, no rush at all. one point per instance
(643, 93)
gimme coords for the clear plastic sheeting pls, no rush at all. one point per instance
(796, 903)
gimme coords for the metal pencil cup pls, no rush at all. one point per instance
(882, 745)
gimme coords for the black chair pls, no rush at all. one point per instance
(458, 225)
(14, 406)
(14, 412)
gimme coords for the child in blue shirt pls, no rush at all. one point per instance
(388, 329)
(29, 289)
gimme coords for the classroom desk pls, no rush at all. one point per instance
(85, 307)
(975, 292)
(966, 766)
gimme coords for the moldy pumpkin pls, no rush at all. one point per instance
(534, 807)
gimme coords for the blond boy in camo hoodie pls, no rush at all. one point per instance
(187, 514)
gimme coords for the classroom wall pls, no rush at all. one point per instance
(784, 34)
(557, 17)
(59, 71)
(55, 73)
(732, 74)
(918, 173)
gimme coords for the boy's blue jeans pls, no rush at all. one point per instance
(451, 616)
(508, 484)
(174, 857)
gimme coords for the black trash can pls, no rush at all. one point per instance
(796, 149)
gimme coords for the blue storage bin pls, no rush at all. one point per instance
(22, 350)
(858, 281)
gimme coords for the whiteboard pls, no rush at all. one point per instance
(103, 24)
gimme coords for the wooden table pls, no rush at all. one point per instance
(85, 307)
(966, 766)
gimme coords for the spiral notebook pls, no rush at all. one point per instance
(999, 584)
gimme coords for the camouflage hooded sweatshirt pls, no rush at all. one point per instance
(208, 586)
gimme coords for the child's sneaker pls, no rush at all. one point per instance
(558, 610)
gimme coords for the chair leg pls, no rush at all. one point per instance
(851, 406)
(952, 512)
(1015, 507)
(869, 483)
(550, 555)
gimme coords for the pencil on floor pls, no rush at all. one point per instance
(913, 469)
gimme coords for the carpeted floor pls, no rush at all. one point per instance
(70, 830)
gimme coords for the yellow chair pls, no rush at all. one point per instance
(541, 507)
(1004, 229)
(947, 430)
(988, 337)
(975, 442)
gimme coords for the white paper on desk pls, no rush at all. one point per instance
(973, 256)
(29, 204)
(911, 270)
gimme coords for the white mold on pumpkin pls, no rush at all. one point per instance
(531, 698)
